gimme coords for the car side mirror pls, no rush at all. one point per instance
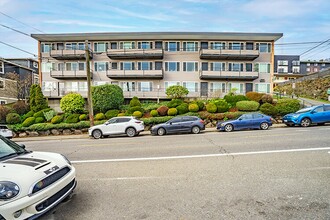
(170, 123)
(240, 119)
(22, 145)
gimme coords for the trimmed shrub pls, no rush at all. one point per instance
(83, 117)
(286, 106)
(183, 108)
(266, 98)
(28, 122)
(13, 118)
(137, 114)
(150, 106)
(222, 105)
(99, 116)
(29, 114)
(172, 112)
(135, 102)
(211, 108)
(106, 97)
(254, 96)
(247, 105)
(40, 120)
(72, 118)
(233, 99)
(157, 120)
(57, 119)
(268, 109)
(162, 110)
(193, 107)
(72, 103)
(111, 113)
(135, 108)
(200, 104)
(20, 107)
(37, 99)
(176, 91)
(49, 115)
(174, 103)
(121, 114)
(154, 113)
(41, 113)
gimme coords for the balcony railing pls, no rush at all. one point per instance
(135, 53)
(58, 93)
(137, 74)
(69, 54)
(66, 74)
(228, 54)
(228, 75)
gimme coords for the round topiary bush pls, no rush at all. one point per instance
(13, 118)
(135, 108)
(29, 114)
(154, 113)
(174, 103)
(172, 112)
(57, 119)
(99, 116)
(247, 105)
(233, 99)
(28, 122)
(162, 110)
(269, 109)
(222, 105)
(83, 117)
(254, 96)
(72, 118)
(211, 108)
(72, 103)
(39, 120)
(193, 107)
(137, 114)
(121, 114)
(266, 98)
(135, 102)
(286, 106)
(200, 105)
(106, 97)
(183, 108)
(111, 113)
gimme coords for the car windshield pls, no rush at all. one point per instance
(304, 110)
(9, 148)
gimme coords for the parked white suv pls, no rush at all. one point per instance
(119, 125)
(5, 131)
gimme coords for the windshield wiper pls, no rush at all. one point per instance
(13, 154)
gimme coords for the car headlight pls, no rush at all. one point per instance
(8, 190)
(222, 124)
(66, 159)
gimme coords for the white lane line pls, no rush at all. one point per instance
(319, 168)
(201, 155)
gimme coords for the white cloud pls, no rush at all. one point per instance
(85, 23)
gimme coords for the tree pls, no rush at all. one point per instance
(176, 92)
(23, 84)
(72, 103)
(106, 97)
(37, 99)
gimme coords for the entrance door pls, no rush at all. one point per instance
(204, 88)
(248, 87)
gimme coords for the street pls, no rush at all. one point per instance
(275, 174)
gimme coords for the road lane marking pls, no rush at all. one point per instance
(319, 168)
(201, 155)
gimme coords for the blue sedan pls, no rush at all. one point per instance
(246, 121)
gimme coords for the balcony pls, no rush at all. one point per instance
(226, 54)
(58, 93)
(135, 53)
(66, 74)
(135, 74)
(229, 75)
(69, 54)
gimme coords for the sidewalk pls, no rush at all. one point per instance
(310, 102)
(85, 136)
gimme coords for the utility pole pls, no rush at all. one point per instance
(89, 90)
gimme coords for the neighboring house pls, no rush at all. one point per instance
(8, 91)
(145, 64)
(309, 67)
(286, 67)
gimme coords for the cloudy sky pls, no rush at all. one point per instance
(298, 20)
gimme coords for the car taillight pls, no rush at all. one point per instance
(138, 122)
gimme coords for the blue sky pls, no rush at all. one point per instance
(298, 20)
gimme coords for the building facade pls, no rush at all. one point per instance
(8, 91)
(145, 64)
(286, 67)
(308, 67)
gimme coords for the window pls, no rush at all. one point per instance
(145, 86)
(190, 66)
(218, 86)
(191, 86)
(71, 46)
(99, 83)
(264, 47)
(218, 45)
(45, 48)
(168, 84)
(46, 67)
(2, 68)
(248, 67)
(308, 69)
(282, 62)
(308, 64)
(172, 46)
(127, 45)
(218, 66)
(49, 86)
(282, 70)
(238, 86)
(295, 62)
(71, 66)
(235, 67)
(235, 46)
(159, 44)
(81, 66)
(100, 47)
(127, 66)
(128, 86)
(318, 109)
(323, 64)
(262, 67)
(172, 66)
(144, 45)
(144, 65)
(263, 87)
(2, 84)
(190, 46)
(296, 69)
(315, 69)
(113, 45)
(100, 66)
(315, 64)
(249, 46)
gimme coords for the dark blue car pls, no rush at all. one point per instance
(305, 117)
(246, 121)
(179, 124)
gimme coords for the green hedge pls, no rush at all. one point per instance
(137, 114)
(29, 114)
(154, 113)
(135, 102)
(174, 103)
(99, 116)
(183, 108)
(193, 107)
(72, 118)
(13, 118)
(157, 120)
(57, 119)
(111, 113)
(286, 106)
(83, 117)
(172, 112)
(211, 108)
(233, 99)
(40, 120)
(134, 109)
(28, 122)
(268, 109)
(247, 105)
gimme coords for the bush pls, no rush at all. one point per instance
(183, 108)
(39, 120)
(135, 102)
(111, 113)
(162, 110)
(154, 113)
(37, 99)
(269, 109)
(157, 120)
(134, 109)
(57, 119)
(222, 105)
(20, 107)
(247, 105)
(176, 92)
(29, 114)
(121, 114)
(72, 103)
(99, 116)
(266, 98)
(13, 118)
(174, 103)
(137, 114)
(150, 106)
(106, 97)
(4, 111)
(193, 107)
(172, 112)
(28, 122)
(286, 106)
(254, 96)
(83, 117)
(211, 108)
(72, 118)
(233, 99)
(199, 103)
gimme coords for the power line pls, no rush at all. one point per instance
(21, 22)
(326, 48)
(15, 30)
(294, 43)
(18, 48)
(323, 42)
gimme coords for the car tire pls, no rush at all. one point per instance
(131, 132)
(97, 134)
(229, 127)
(161, 131)
(195, 130)
(264, 126)
(305, 122)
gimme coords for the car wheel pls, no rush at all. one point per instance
(131, 132)
(161, 131)
(195, 130)
(305, 122)
(264, 126)
(97, 134)
(229, 127)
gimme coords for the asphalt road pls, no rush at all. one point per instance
(281, 173)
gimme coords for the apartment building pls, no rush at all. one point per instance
(144, 64)
(308, 66)
(286, 67)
